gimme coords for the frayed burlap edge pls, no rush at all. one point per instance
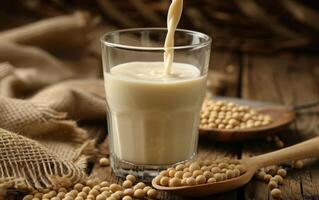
(88, 150)
(49, 171)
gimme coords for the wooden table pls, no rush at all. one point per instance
(285, 79)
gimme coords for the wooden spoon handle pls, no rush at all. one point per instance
(306, 149)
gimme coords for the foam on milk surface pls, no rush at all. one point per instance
(154, 117)
(153, 72)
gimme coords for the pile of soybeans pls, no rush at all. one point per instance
(97, 190)
(228, 115)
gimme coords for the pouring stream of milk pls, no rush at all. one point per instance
(173, 17)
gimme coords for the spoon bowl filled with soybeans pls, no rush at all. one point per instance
(201, 178)
(229, 122)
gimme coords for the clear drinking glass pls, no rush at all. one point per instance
(153, 125)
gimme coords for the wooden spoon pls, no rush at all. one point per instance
(307, 149)
(282, 116)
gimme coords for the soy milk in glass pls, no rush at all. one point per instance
(155, 87)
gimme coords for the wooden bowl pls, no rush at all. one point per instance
(281, 115)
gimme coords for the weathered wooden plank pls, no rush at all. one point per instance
(286, 80)
(227, 65)
(302, 88)
(258, 81)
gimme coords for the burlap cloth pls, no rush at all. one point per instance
(48, 82)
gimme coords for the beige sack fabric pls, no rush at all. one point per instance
(42, 96)
(33, 120)
(75, 97)
(48, 112)
(24, 70)
(34, 67)
(29, 164)
(63, 33)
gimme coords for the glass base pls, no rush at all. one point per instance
(122, 168)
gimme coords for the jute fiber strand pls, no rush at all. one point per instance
(42, 96)
(27, 162)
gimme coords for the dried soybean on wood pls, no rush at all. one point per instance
(104, 162)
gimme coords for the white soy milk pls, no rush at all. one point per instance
(154, 116)
(173, 17)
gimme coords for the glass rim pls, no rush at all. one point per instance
(208, 39)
